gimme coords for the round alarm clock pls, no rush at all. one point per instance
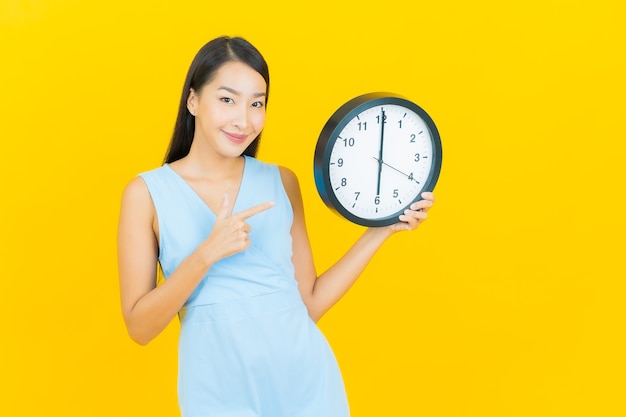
(375, 156)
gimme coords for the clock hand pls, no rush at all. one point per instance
(381, 162)
(380, 153)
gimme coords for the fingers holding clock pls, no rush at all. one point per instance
(412, 218)
(427, 201)
(416, 214)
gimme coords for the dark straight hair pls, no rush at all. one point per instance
(207, 61)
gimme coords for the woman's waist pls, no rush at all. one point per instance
(241, 306)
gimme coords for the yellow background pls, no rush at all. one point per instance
(509, 301)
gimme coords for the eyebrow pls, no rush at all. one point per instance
(233, 91)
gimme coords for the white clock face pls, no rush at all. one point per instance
(381, 161)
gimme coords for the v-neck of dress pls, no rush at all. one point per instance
(199, 198)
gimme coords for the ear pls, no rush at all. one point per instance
(192, 101)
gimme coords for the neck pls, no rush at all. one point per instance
(203, 162)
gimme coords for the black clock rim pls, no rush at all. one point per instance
(329, 134)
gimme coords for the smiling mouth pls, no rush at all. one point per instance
(237, 138)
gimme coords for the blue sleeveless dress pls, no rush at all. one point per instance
(247, 346)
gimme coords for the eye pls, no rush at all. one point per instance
(258, 104)
(227, 100)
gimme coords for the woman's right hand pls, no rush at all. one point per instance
(230, 232)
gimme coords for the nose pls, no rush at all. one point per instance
(241, 118)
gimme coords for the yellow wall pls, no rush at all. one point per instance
(508, 301)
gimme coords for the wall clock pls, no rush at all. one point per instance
(374, 157)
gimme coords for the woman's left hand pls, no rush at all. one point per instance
(414, 216)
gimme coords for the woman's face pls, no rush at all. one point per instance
(229, 109)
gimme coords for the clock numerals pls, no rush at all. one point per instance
(377, 198)
(372, 164)
(342, 183)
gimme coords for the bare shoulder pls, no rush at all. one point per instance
(290, 181)
(136, 197)
(136, 189)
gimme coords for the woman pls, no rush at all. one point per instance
(229, 233)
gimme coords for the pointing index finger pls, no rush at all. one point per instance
(255, 210)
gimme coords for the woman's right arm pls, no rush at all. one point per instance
(148, 309)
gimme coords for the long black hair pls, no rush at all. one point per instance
(207, 61)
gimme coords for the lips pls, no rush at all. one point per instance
(236, 138)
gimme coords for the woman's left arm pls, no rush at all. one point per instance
(320, 293)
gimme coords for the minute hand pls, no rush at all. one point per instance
(381, 163)
(380, 152)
